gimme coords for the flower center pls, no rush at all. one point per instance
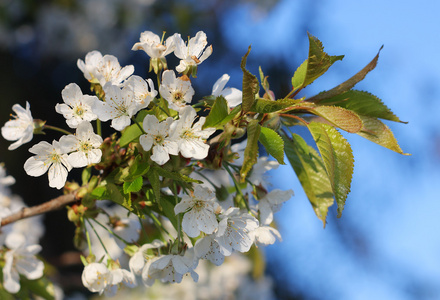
(85, 147)
(188, 134)
(178, 97)
(79, 111)
(158, 140)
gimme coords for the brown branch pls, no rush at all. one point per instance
(50, 205)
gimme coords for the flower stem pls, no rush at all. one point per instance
(99, 238)
(98, 127)
(89, 244)
(45, 126)
(237, 187)
(111, 232)
(157, 223)
(179, 227)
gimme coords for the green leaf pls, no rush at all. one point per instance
(339, 117)
(273, 143)
(346, 85)
(161, 110)
(262, 105)
(250, 85)
(311, 172)
(377, 132)
(362, 103)
(133, 186)
(175, 175)
(85, 175)
(338, 159)
(117, 196)
(168, 204)
(153, 177)
(231, 115)
(299, 77)
(218, 113)
(139, 167)
(130, 134)
(251, 150)
(263, 79)
(100, 193)
(41, 287)
(316, 64)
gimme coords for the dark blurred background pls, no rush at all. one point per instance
(386, 245)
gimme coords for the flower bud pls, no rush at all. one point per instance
(273, 121)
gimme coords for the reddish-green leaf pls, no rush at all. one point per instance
(362, 103)
(251, 150)
(348, 84)
(340, 117)
(338, 159)
(377, 132)
(250, 85)
(262, 105)
(311, 172)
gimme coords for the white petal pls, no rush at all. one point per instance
(233, 96)
(121, 122)
(266, 213)
(189, 224)
(77, 159)
(183, 205)
(35, 167)
(160, 155)
(11, 279)
(146, 141)
(57, 176)
(30, 267)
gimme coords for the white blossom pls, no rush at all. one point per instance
(119, 106)
(192, 54)
(96, 277)
(232, 95)
(21, 129)
(83, 146)
(263, 165)
(190, 136)
(143, 90)
(271, 203)
(48, 157)
(102, 69)
(153, 46)
(208, 248)
(20, 259)
(5, 180)
(138, 260)
(157, 138)
(199, 211)
(125, 226)
(266, 235)
(234, 231)
(170, 268)
(76, 107)
(176, 91)
(119, 277)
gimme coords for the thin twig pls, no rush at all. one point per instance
(50, 205)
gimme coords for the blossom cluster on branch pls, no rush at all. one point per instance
(181, 181)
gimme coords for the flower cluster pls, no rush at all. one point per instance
(165, 168)
(18, 241)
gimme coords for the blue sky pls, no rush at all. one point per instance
(394, 204)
